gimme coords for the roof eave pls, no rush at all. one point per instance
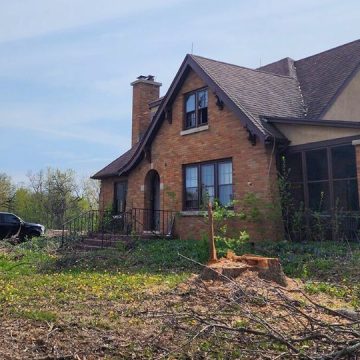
(313, 122)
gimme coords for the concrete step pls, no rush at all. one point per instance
(109, 236)
(100, 242)
(94, 247)
(95, 241)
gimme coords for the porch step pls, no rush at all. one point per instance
(93, 243)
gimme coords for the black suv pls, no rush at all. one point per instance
(12, 225)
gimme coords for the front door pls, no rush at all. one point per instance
(155, 203)
(152, 201)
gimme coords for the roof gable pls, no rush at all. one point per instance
(228, 90)
(256, 92)
(323, 76)
(284, 89)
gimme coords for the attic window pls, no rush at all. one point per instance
(196, 109)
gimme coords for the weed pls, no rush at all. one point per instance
(38, 315)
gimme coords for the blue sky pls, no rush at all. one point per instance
(66, 65)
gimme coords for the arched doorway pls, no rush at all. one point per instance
(152, 201)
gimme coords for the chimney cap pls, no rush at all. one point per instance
(149, 79)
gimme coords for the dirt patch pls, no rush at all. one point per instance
(198, 319)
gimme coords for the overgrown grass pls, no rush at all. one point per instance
(37, 281)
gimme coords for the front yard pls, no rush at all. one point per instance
(145, 302)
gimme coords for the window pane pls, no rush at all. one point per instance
(207, 195)
(346, 195)
(207, 182)
(202, 99)
(293, 167)
(343, 162)
(225, 194)
(191, 201)
(121, 189)
(203, 116)
(317, 165)
(191, 176)
(225, 173)
(190, 103)
(225, 183)
(207, 174)
(191, 183)
(319, 196)
(190, 119)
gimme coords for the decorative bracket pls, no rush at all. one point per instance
(147, 154)
(168, 115)
(251, 136)
(219, 103)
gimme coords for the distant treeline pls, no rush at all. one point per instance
(49, 197)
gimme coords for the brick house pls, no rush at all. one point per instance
(220, 129)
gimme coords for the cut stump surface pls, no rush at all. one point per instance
(234, 266)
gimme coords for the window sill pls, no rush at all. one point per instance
(192, 213)
(194, 130)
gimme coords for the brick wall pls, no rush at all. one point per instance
(144, 92)
(253, 168)
(107, 189)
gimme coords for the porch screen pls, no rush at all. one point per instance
(324, 179)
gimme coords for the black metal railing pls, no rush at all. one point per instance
(106, 224)
(156, 222)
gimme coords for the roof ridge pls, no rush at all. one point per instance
(328, 50)
(304, 105)
(242, 67)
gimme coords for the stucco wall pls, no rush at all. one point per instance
(303, 134)
(347, 105)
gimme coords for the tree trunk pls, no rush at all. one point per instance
(213, 256)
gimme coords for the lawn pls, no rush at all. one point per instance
(114, 304)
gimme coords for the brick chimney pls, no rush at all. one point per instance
(145, 90)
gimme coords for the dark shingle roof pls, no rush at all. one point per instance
(322, 76)
(115, 167)
(256, 92)
(284, 67)
(283, 89)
